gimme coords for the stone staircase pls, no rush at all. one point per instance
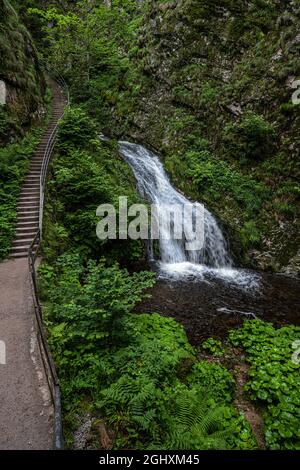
(29, 200)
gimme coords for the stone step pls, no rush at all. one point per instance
(28, 197)
(32, 228)
(45, 138)
(29, 212)
(29, 204)
(37, 175)
(28, 208)
(30, 193)
(30, 187)
(29, 218)
(22, 241)
(30, 190)
(24, 224)
(23, 254)
(32, 179)
(21, 248)
(50, 130)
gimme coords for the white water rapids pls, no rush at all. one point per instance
(176, 262)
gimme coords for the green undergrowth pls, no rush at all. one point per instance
(136, 373)
(274, 378)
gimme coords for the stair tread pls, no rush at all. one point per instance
(24, 223)
(25, 214)
(31, 198)
(19, 249)
(24, 235)
(19, 255)
(22, 242)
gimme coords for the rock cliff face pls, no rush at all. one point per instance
(219, 101)
(22, 84)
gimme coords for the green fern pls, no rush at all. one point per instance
(194, 424)
(175, 418)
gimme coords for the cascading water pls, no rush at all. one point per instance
(154, 185)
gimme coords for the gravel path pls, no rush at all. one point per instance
(25, 407)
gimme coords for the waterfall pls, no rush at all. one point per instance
(155, 187)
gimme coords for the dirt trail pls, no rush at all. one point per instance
(244, 405)
(25, 408)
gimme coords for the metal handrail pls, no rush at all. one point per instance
(49, 148)
(44, 171)
(48, 363)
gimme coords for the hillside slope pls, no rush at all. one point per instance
(218, 105)
(22, 85)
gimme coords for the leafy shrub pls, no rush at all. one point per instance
(250, 235)
(76, 130)
(213, 346)
(7, 124)
(90, 302)
(274, 379)
(216, 179)
(213, 376)
(253, 138)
